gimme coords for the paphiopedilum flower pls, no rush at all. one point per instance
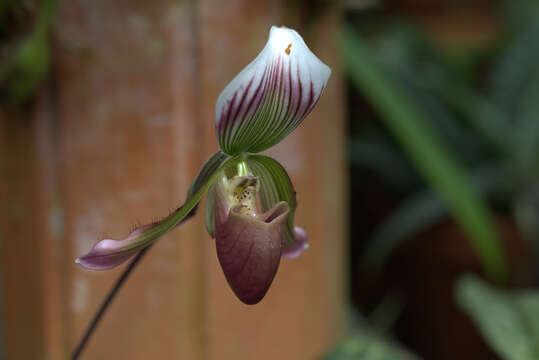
(251, 201)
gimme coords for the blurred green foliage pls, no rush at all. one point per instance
(370, 338)
(24, 49)
(467, 122)
(507, 320)
(368, 346)
(408, 122)
(457, 135)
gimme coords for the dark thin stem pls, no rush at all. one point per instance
(108, 300)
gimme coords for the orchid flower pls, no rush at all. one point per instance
(251, 201)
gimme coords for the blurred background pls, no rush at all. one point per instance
(417, 177)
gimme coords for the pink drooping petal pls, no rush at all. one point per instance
(271, 96)
(297, 247)
(109, 253)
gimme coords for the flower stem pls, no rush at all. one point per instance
(108, 300)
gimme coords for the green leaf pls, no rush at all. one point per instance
(425, 89)
(519, 14)
(433, 161)
(412, 217)
(526, 133)
(526, 214)
(420, 212)
(466, 144)
(368, 346)
(383, 159)
(29, 63)
(368, 341)
(528, 303)
(481, 113)
(432, 83)
(514, 88)
(507, 321)
(511, 75)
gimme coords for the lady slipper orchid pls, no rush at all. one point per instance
(251, 201)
